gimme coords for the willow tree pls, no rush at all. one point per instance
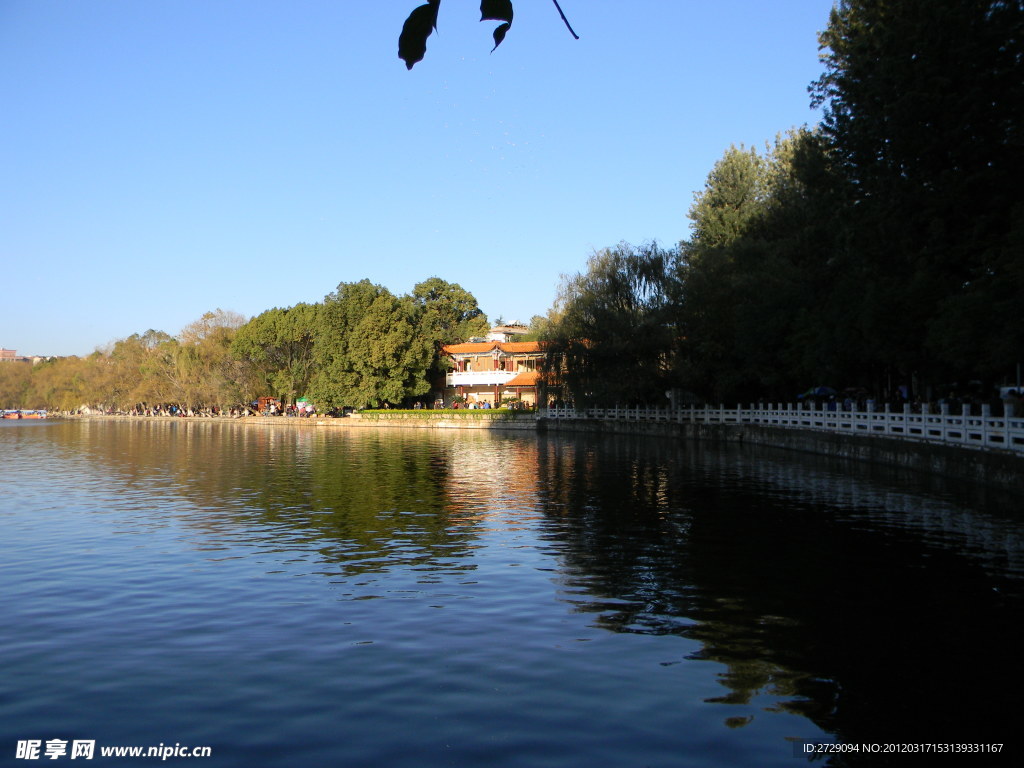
(610, 341)
(65, 383)
(200, 369)
(15, 383)
(139, 364)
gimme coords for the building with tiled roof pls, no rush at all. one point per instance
(493, 372)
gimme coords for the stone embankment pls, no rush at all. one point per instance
(1000, 469)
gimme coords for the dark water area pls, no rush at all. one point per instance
(321, 597)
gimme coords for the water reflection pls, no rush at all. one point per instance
(878, 606)
(354, 503)
(874, 611)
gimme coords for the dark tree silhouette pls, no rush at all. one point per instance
(412, 43)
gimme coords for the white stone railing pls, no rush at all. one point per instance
(960, 429)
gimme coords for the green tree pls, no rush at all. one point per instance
(367, 351)
(923, 107)
(277, 346)
(63, 383)
(797, 299)
(447, 313)
(611, 342)
(721, 216)
(538, 328)
(759, 284)
(732, 196)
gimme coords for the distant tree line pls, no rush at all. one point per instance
(883, 248)
(361, 346)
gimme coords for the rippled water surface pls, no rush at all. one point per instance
(333, 597)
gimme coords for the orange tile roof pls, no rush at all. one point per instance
(511, 347)
(524, 379)
(486, 346)
(521, 346)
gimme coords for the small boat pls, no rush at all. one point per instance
(24, 414)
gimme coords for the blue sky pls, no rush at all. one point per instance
(163, 158)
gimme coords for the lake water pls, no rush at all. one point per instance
(329, 597)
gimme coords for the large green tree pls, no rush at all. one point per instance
(721, 216)
(923, 108)
(367, 351)
(446, 313)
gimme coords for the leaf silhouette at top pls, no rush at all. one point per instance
(499, 35)
(497, 10)
(412, 43)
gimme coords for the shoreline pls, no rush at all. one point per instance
(476, 419)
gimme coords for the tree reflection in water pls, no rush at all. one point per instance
(879, 605)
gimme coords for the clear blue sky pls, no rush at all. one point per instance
(163, 158)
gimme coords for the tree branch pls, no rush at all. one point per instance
(567, 25)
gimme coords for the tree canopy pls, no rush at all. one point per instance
(883, 249)
(612, 340)
(361, 346)
(368, 352)
(924, 103)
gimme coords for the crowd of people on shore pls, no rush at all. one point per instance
(162, 410)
